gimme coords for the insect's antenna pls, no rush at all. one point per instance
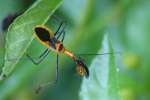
(100, 53)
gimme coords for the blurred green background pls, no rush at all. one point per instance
(93, 26)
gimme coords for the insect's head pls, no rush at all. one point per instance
(82, 68)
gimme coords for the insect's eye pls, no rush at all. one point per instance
(60, 47)
(42, 33)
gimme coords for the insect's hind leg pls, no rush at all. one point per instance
(40, 58)
(57, 70)
(50, 83)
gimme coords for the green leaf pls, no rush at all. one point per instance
(20, 33)
(102, 83)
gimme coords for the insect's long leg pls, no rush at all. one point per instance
(92, 54)
(63, 33)
(40, 58)
(57, 69)
(56, 79)
(59, 32)
(61, 24)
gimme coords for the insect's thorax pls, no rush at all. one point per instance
(58, 47)
(55, 45)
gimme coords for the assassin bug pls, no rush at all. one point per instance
(52, 42)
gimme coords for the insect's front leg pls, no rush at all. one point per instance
(40, 58)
